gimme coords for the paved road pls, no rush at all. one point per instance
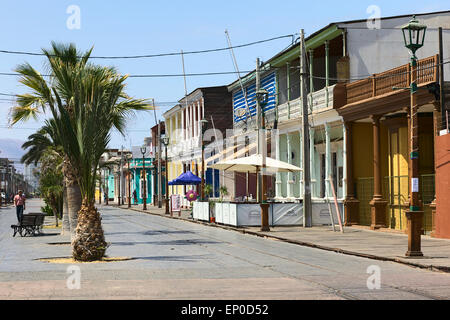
(174, 259)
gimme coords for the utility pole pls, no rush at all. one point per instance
(307, 205)
(262, 193)
(159, 165)
(258, 126)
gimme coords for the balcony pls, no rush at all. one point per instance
(375, 95)
(382, 83)
(322, 100)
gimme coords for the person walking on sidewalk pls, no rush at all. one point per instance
(19, 202)
(135, 197)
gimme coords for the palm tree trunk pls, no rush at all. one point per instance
(55, 214)
(74, 206)
(73, 195)
(89, 243)
(65, 217)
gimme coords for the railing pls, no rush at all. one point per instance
(292, 109)
(382, 83)
(289, 110)
(322, 99)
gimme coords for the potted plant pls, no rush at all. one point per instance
(223, 192)
(208, 191)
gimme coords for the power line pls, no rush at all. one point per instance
(158, 54)
(148, 75)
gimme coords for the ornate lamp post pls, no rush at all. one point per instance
(129, 183)
(203, 128)
(118, 185)
(144, 193)
(107, 186)
(165, 142)
(414, 36)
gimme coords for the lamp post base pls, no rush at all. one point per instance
(265, 216)
(167, 206)
(414, 254)
(414, 230)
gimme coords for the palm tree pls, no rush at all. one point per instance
(40, 146)
(99, 106)
(86, 102)
(63, 63)
(223, 192)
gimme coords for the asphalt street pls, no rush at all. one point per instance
(175, 259)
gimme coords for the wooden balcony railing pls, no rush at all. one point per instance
(382, 83)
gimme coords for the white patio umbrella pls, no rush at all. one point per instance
(253, 164)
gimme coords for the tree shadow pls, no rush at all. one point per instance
(166, 243)
(151, 232)
(192, 258)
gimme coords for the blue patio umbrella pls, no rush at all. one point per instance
(185, 179)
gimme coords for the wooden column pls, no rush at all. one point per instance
(436, 120)
(351, 204)
(378, 204)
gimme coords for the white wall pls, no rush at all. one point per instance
(375, 51)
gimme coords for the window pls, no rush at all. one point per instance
(334, 171)
(322, 175)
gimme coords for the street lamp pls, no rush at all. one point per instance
(129, 183)
(414, 36)
(203, 128)
(107, 186)
(165, 142)
(118, 185)
(144, 193)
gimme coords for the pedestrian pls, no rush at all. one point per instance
(19, 202)
(135, 197)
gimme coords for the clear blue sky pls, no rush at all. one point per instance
(147, 27)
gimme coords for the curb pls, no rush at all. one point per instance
(303, 243)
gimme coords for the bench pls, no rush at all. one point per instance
(31, 224)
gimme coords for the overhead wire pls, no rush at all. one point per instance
(160, 54)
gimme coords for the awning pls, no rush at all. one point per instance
(254, 164)
(185, 179)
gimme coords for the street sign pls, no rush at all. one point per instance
(175, 203)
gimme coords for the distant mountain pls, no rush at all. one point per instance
(12, 149)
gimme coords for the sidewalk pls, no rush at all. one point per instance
(379, 245)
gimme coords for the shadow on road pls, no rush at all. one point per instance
(151, 233)
(173, 258)
(166, 243)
